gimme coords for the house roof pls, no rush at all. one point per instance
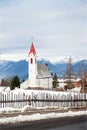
(32, 49)
(43, 71)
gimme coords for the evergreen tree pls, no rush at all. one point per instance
(15, 82)
(55, 81)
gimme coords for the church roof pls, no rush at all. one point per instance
(43, 71)
(32, 49)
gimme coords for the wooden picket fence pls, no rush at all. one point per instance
(42, 99)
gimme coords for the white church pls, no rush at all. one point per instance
(39, 74)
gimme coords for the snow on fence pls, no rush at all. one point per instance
(42, 99)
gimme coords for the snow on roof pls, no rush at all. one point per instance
(43, 71)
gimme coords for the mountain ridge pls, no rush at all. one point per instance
(20, 68)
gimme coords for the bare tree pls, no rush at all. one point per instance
(5, 81)
(69, 74)
(83, 77)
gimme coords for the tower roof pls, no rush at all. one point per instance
(32, 49)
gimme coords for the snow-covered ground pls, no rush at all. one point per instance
(38, 116)
(40, 94)
(76, 89)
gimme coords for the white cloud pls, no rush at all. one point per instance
(3, 35)
(14, 56)
(57, 25)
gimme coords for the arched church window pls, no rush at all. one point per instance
(31, 61)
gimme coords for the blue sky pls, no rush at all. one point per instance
(58, 28)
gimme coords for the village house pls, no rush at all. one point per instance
(39, 74)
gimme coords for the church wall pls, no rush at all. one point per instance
(45, 83)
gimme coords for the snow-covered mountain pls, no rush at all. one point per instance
(64, 59)
(11, 68)
(20, 68)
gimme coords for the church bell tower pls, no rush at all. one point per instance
(32, 67)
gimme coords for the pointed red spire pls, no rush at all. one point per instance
(32, 49)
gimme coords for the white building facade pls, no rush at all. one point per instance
(39, 74)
